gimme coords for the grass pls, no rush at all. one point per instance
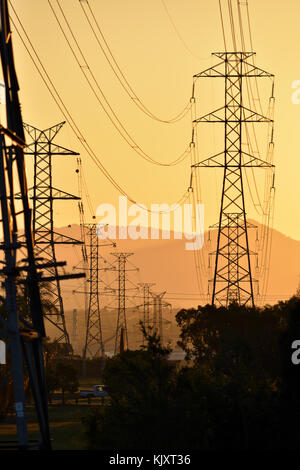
(67, 430)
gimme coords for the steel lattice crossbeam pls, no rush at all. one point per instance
(42, 148)
(232, 277)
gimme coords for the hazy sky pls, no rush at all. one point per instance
(159, 67)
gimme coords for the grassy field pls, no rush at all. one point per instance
(67, 430)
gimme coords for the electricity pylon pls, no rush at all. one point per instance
(121, 339)
(145, 288)
(23, 336)
(42, 148)
(94, 345)
(232, 280)
(158, 305)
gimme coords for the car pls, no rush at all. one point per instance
(97, 391)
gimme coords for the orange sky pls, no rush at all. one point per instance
(159, 68)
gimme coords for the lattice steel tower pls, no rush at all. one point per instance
(121, 330)
(22, 331)
(93, 339)
(232, 280)
(43, 149)
(157, 314)
(145, 288)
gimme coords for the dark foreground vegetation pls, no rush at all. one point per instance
(239, 390)
(242, 391)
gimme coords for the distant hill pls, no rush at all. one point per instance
(172, 268)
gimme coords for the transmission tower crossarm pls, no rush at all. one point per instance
(43, 149)
(13, 136)
(247, 160)
(217, 71)
(220, 115)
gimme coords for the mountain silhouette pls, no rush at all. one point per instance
(171, 267)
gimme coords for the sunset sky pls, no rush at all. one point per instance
(159, 67)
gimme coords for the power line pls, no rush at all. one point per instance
(266, 206)
(112, 116)
(57, 98)
(68, 117)
(222, 24)
(178, 33)
(231, 18)
(119, 73)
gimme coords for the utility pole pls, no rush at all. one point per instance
(145, 288)
(121, 338)
(233, 280)
(42, 148)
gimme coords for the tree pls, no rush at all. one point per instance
(240, 346)
(67, 378)
(152, 405)
(234, 397)
(228, 339)
(290, 372)
(54, 351)
(52, 381)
